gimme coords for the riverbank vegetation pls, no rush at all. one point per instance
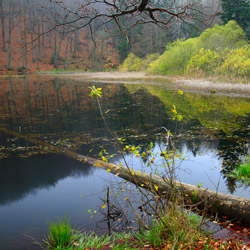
(219, 51)
(242, 173)
(179, 230)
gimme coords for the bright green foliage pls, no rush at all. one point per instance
(206, 62)
(237, 63)
(242, 173)
(148, 60)
(60, 234)
(131, 63)
(202, 54)
(221, 37)
(174, 59)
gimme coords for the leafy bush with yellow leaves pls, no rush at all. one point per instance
(205, 62)
(237, 63)
(148, 60)
(131, 63)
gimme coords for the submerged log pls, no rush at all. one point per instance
(213, 202)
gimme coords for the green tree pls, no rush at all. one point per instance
(123, 48)
(237, 10)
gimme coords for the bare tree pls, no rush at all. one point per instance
(11, 13)
(159, 12)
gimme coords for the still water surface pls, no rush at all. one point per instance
(37, 184)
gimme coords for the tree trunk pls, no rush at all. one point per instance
(32, 35)
(44, 45)
(59, 48)
(66, 53)
(76, 43)
(39, 40)
(55, 50)
(25, 39)
(9, 40)
(211, 202)
(3, 26)
(22, 40)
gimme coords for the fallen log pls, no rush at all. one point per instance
(214, 202)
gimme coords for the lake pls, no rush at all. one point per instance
(39, 183)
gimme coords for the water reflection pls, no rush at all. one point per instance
(62, 113)
(232, 151)
(21, 176)
(34, 179)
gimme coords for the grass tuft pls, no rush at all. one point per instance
(60, 234)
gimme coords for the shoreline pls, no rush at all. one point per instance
(202, 86)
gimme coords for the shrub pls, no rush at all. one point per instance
(206, 62)
(215, 42)
(131, 63)
(148, 60)
(174, 59)
(221, 37)
(237, 63)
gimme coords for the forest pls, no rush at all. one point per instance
(124, 124)
(34, 39)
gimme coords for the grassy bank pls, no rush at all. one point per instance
(178, 230)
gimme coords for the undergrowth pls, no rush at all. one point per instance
(180, 230)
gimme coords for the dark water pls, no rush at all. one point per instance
(37, 183)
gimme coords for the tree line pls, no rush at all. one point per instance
(93, 34)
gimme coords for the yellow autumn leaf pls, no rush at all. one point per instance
(180, 92)
(108, 170)
(103, 206)
(156, 187)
